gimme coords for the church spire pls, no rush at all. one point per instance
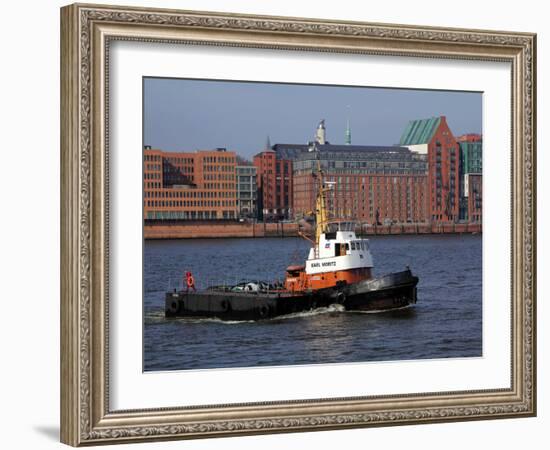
(268, 143)
(347, 138)
(348, 134)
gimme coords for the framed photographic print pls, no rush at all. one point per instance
(278, 224)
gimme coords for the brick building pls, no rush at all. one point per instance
(431, 176)
(275, 176)
(371, 183)
(432, 137)
(197, 185)
(274, 181)
(416, 181)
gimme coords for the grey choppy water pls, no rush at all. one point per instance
(445, 323)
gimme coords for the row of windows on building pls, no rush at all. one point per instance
(362, 156)
(218, 176)
(152, 176)
(190, 193)
(168, 168)
(353, 188)
(371, 171)
(382, 198)
(278, 169)
(247, 196)
(153, 158)
(153, 185)
(390, 210)
(217, 168)
(226, 186)
(438, 149)
(190, 215)
(375, 164)
(357, 180)
(178, 160)
(369, 203)
(187, 203)
(384, 215)
(153, 167)
(246, 188)
(246, 170)
(218, 159)
(437, 217)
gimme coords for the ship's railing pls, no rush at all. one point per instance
(227, 283)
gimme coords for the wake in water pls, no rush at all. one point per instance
(312, 312)
(158, 316)
(381, 311)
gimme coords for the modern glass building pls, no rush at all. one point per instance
(246, 191)
(471, 168)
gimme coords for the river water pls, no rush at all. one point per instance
(445, 323)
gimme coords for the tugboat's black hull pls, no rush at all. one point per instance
(392, 291)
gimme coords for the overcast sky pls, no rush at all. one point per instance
(187, 115)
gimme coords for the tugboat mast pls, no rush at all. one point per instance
(321, 212)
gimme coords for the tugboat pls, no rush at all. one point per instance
(338, 270)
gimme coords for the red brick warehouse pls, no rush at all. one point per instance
(433, 137)
(371, 183)
(275, 185)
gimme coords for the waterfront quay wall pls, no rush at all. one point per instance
(189, 230)
(422, 228)
(219, 230)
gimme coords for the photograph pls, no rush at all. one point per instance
(296, 224)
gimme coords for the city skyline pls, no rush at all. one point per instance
(186, 114)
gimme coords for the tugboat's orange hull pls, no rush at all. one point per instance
(300, 281)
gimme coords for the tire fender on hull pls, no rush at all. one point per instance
(341, 298)
(225, 305)
(174, 306)
(264, 311)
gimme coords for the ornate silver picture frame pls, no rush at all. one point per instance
(87, 32)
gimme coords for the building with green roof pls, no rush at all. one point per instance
(433, 137)
(420, 132)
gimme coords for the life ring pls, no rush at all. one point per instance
(263, 311)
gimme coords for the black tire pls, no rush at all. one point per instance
(225, 305)
(341, 298)
(174, 306)
(263, 311)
